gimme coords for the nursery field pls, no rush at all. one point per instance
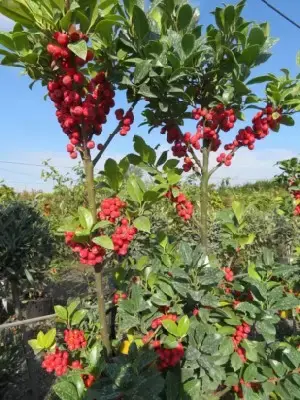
(135, 277)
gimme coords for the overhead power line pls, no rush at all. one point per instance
(31, 165)
(281, 14)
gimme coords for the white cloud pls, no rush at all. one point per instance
(249, 166)
(5, 23)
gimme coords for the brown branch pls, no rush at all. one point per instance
(195, 158)
(213, 170)
(110, 138)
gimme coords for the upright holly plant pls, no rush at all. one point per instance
(83, 51)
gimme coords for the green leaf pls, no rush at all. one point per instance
(49, 338)
(79, 48)
(78, 316)
(256, 36)
(85, 218)
(172, 384)
(113, 174)
(241, 88)
(287, 120)
(170, 342)
(250, 373)
(140, 23)
(162, 159)
(104, 241)
(101, 225)
(21, 42)
(142, 224)
(252, 272)
(66, 21)
(171, 327)
(192, 389)
(33, 343)
(251, 349)
(167, 289)
(229, 18)
(146, 152)
(278, 367)
(249, 55)
(239, 211)
(95, 354)
(134, 190)
(61, 312)
(261, 79)
(184, 18)
(226, 347)
(267, 329)
(65, 391)
(188, 43)
(236, 362)
(84, 22)
(183, 326)
(72, 307)
(6, 41)
(141, 70)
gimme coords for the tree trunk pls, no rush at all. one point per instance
(90, 186)
(204, 196)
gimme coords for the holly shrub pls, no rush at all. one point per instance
(25, 243)
(186, 324)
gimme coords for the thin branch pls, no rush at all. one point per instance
(196, 159)
(110, 138)
(213, 170)
(281, 14)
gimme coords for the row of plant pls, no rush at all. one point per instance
(187, 323)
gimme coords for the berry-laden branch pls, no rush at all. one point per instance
(122, 128)
(223, 159)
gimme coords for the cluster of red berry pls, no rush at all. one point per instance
(110, 209)
(122, 237)
(89, 254)
(56, 362)
(127, 120)
(184, 207)
(168, 357)
(216, 118)
(158, 321)
(241, 333)
(82, 104)
(74, 339)
(173, 133)
(263, 121)
(239, 390)
(229, 275)
(119, 296)
(225, 159)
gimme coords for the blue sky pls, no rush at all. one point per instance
(31, 134)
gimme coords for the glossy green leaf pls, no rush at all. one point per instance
(79, 48)
(184, 18)
(188, 43)
(85, 218)
(61, 312)
(65, 390)
(256, 36)
(171, 327)
(78, 316)
(142, 224)
(140, 23)
(104, 241)
(134, 190)
(183, 325)
(142, 69)
(49, 338)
